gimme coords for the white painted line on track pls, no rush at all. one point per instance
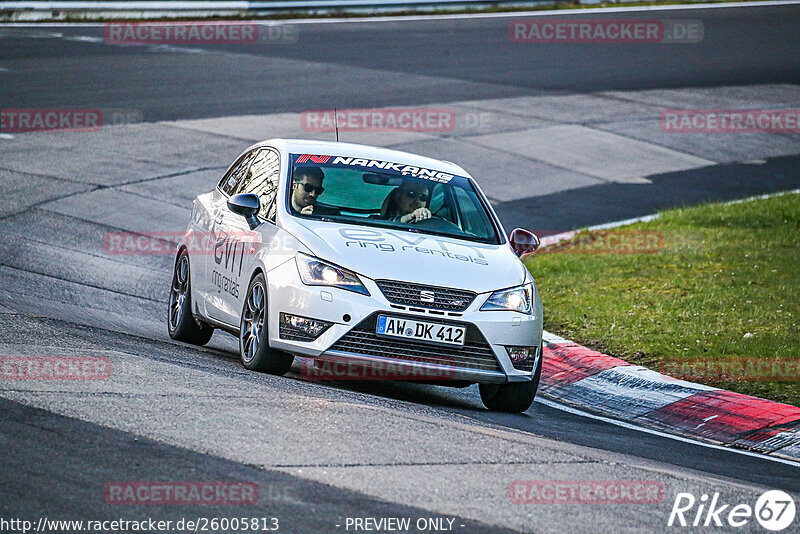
(85, 39)
(765, 196)
(630, 426)
(457, 16)
(626, 222)
(555, 238)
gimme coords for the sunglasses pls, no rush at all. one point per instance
(308, 188)
(422, 195)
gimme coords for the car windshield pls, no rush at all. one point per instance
(388, 194)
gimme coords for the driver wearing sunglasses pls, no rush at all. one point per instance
(306, 189)
(409, 202)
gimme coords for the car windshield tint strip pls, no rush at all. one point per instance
(387, 167)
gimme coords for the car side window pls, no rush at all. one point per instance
(232, 179)
(262, 180)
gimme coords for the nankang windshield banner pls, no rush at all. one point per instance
(388, 167)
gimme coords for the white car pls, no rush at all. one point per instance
(397, 262)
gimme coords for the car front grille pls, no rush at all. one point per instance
(438, 298)
(475, 354)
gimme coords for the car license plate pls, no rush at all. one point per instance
(421, 330)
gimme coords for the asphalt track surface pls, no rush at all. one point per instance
(422, 62)
(322, 452)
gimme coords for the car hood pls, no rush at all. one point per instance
(391, 254)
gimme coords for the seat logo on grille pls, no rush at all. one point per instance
(426, 296)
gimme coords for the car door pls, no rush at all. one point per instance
(236, 245)
(214, 205)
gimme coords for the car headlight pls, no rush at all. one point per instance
(316, 272)
(519, 299)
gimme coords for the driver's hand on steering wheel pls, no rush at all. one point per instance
(419, 214)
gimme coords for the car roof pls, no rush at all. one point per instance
(334, 148)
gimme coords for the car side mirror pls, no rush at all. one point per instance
(523, 242)
(246, 205)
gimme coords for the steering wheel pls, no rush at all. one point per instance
(437, 223)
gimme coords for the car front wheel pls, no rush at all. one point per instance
(515, 397)
(254, 346)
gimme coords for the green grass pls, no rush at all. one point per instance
(724, 271)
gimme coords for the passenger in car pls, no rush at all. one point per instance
(407, 203)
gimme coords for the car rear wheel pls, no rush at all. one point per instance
(181, 323)
(254, 346)
(515, 397)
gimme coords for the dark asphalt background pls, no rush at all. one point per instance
(55, 464)
(424, 61)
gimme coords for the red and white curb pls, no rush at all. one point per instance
(596, 383)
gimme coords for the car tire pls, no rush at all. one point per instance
(515, 397)
(181, 324)
(254, 348)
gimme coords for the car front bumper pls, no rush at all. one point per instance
(351, 336)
